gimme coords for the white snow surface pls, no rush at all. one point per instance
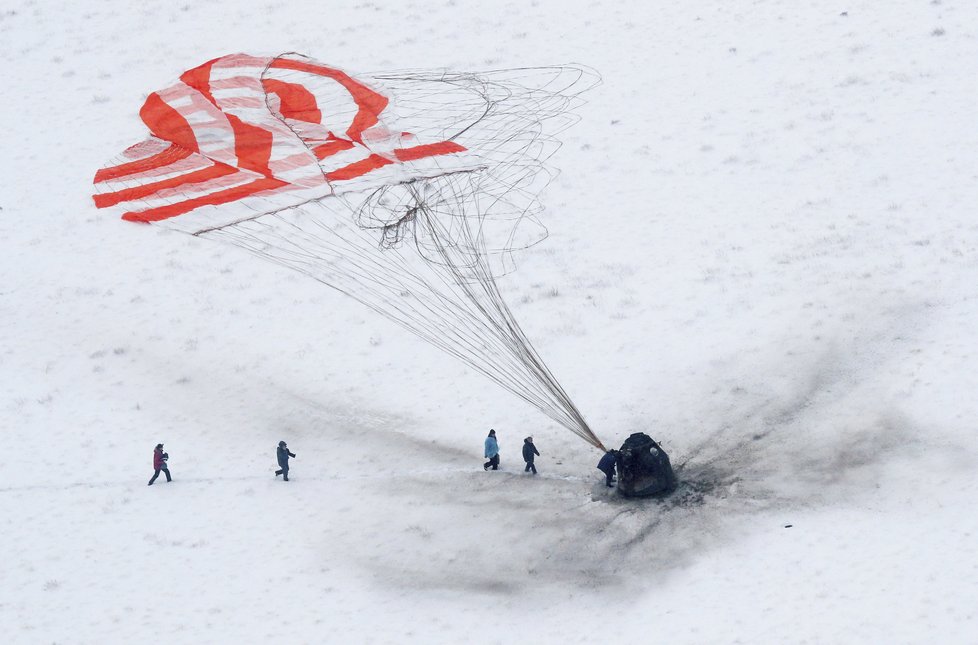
(763, 252)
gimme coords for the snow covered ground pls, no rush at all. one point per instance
(763, 251)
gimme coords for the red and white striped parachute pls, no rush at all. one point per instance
(283, 128)
(408, 191)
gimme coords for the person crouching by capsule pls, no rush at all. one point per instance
(159, 464)
(492, 451)
(607, 465)
(529, 450)
(283, 455)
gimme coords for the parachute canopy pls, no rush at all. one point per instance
(285, 129)
(409, 191)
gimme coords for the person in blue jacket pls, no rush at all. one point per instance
(529, 450)
(607, 465)
(283, 455)
(492, 451)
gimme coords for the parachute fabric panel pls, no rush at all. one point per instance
(220, 139)
(408, 191)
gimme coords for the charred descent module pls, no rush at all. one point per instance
(644, 469)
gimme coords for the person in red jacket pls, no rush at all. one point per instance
(159, 464)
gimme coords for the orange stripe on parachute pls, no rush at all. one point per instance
(111, 199)
(170, 155)
(252, 144)
(296, 101)
(358, 168)
(373, 162)
(214, 199)
(369, 103)
(199, 78)
(428, 150)
(166, 123)
(331, 147)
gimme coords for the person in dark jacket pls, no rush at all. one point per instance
(492, 452)
(159, 464)
(283, 460)
(529, 450)
(607, 465)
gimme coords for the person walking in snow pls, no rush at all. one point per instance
(492, 451)
(159, 464)
(283, 455)
(529, 450)
(607, 465)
